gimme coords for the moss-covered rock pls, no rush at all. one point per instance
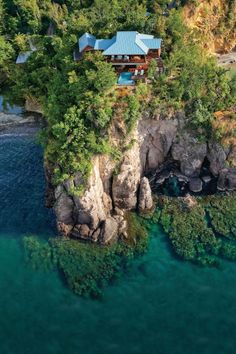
(202, 231)
(188, 231)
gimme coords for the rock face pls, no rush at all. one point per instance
(145, 201)
(125, 183)
(217, 157)
(227, 180)
(32, 105)
(156, 139)
(98, 215)
(195, 185)
(189, 153)
(109, 231)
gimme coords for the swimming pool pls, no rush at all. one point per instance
(125, 79)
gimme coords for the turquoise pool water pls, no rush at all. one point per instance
(160, 306)
(125, 79)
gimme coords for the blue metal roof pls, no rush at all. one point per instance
(123, 43)
(154, 43)
(86, 40)
(103, 44)
(126, 44)
(132, 43)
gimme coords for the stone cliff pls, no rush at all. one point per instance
(112, 189)
(215, 23)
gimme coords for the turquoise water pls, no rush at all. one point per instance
(125, 79)
(160, 306)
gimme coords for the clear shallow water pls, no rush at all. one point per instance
(161, 306)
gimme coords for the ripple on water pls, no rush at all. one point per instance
(21, 186)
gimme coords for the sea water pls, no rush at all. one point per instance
(160, 306)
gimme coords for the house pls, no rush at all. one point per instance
(125, 48)
(129, 51)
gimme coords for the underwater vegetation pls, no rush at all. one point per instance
(201, 229)
(86, 267)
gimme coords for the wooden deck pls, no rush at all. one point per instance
(133, 60)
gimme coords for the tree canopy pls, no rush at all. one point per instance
(79, 100)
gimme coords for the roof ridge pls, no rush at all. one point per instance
(141, 44)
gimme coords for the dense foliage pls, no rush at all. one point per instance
(80, 99)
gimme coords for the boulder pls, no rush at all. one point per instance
(181, 177)
(195, 185)
(64, 229)
(145, 201)
(81, 232)
(190, 153)
(216, 155)
(109, 231)
(231, 180)
(227, 180)
(222, 180)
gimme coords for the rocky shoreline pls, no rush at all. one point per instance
(99, 215)
(18, 124)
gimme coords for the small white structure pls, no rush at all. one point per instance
(23, 57)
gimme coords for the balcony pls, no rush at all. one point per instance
(126, 60)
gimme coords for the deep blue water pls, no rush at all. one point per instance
(161, 306)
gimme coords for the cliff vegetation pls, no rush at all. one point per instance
(80, 100)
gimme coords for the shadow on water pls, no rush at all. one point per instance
(21, 192)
